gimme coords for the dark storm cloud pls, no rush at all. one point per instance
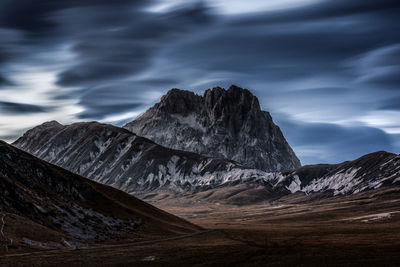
(103, 101)
(276, 55)
(9, 47)
(391, 104)
(4, 81)
(318, 38)
(381, 67)
(29, 27)
(20, 108)
(130, 46)
(389, 79)
(34, 15)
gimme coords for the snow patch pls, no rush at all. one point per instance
(341, 183)
(295, 185)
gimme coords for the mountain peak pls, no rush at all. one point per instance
(52, 123)
(236, 90)
(176, 92)
(178, 101)
(234, 100)
(222, 123)
(232, 92)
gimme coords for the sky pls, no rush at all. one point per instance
(328, 71)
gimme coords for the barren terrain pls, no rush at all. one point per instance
(356, 230)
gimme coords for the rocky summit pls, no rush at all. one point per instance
(222, 123)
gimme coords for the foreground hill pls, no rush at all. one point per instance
(47, 206)
(222, 123)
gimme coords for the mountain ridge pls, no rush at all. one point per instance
(117, 157)
(369, 171)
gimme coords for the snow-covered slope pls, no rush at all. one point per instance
(117, 157)
(221, 123)
(368, 172)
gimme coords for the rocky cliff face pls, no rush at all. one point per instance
(221, 123)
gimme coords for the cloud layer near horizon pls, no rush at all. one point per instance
(328, 71)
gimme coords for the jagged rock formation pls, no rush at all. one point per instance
(52, 207)
(221, 123)
(117, 157)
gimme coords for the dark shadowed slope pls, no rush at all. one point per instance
(221, 123)
(45, 205)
